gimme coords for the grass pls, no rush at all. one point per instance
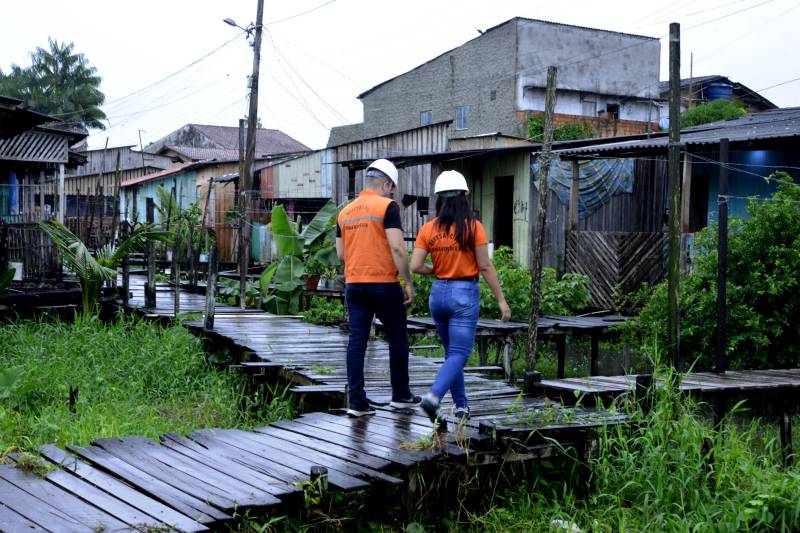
(671, 472)
(72, 382)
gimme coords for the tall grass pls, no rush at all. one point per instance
(669, 471)
(132, 377)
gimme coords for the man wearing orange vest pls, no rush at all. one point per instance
(370, 242)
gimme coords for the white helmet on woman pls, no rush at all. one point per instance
(450, 180)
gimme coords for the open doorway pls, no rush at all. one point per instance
(503, 211)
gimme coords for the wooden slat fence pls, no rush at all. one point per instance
(616, 262)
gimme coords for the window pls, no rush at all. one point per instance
(613, 111)
(492, 95)
(425, 118)
(462, 117)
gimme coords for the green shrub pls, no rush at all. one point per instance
(763, 283)
(559, 297)
(711, 112)
(565, 132)
(324, 311)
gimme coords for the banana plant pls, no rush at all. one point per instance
(294, 246)
(93, 272)
(5, 279)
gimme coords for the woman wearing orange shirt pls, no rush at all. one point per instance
(457, 244)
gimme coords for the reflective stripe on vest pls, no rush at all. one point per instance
(367, 256)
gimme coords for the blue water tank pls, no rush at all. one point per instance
(719, 91)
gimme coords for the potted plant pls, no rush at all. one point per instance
(328, 281)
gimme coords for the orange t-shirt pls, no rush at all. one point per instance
(449, 261)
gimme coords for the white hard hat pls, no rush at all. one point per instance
(385, 166)
(450, 180)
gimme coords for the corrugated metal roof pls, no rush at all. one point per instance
(161, 173)
(773, 124)
(35, 146)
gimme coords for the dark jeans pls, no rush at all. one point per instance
(455, 306)
(364, 301)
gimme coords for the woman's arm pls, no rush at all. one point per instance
(490, 275)
(418, 265)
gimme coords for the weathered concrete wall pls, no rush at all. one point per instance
(589, 104)
(478, 74)
(594, 61)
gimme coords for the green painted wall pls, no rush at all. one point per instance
(184, 182)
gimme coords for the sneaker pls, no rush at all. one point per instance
(363, 411)
(431, 407)
(403, 403)
(461, 414)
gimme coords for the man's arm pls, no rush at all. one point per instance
(339, 248)
(400, 258)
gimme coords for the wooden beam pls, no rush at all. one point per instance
(686, 188)
(61, 200)
(211, 288)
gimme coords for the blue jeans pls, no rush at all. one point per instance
(455, 309)
(364, 301)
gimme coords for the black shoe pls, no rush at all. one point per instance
(403, 403)
(431, 407)
(362, 411)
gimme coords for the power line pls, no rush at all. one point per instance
(299, 14)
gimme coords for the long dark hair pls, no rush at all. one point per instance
(455, 210)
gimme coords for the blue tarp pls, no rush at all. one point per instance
(599, 180)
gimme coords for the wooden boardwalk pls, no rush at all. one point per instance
(201, 480)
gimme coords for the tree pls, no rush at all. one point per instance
(59, 82)
(711, 112)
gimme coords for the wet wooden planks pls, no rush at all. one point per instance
(704, 383)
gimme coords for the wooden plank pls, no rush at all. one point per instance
(193, 485)
(242, 492)
(288, 457)
(193, 450)
(107, 502)
(120, 490)
(36, 510)
(11, 521)
(75, 508)
(185, 503)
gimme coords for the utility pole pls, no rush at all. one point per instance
(242, 206)
(674, 193)
(541, 215)
(245, 181)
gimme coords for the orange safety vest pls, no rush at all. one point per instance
(367, 256)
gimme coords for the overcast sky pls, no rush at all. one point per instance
(314, 64)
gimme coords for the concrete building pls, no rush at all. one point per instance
(492, 83)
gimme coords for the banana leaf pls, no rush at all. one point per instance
(5, 279)
(321, 225)
(289, 274)
(288, 240)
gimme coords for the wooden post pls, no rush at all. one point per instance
(176, 269)
(150, 286)
(211, 288)
(673, 282)
(686, 188)
(192, 270)
(242, 204)
(117, 199)
(561, 348)
(785, 423)
(722, 259)
(126, 271)
(594, 366)
(41, 194)
(61, 200)
(319, 477)
(3, 246)
(574, 195)
(538, 248)
(508, 351)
